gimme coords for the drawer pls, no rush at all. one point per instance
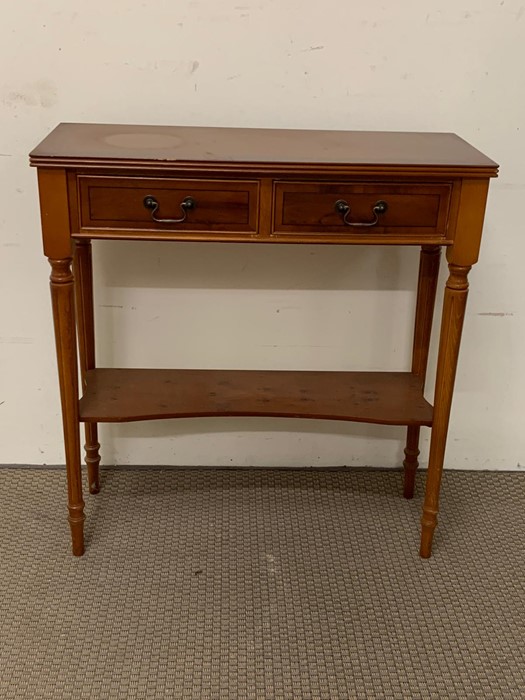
(168, 205)
(401, 210)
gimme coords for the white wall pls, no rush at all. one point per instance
(456, 65)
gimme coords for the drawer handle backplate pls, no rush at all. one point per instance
(151, 203)
(343, 208)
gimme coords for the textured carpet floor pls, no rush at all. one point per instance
(262, 584)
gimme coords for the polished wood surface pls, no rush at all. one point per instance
(259, 186)
(81, 143)
(116, 395)
(269, 210)
(413, 210)
(118, 203)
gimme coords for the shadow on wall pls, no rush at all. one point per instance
(257, 424)
(243, 431)
(259, 266)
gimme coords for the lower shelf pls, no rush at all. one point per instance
(119, 395)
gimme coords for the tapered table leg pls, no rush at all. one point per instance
(426, 297)
(454, 305)
(62, 295)
(86, 339)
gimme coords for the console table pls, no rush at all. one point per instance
(100, 181)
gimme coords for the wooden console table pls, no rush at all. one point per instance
(100, 181)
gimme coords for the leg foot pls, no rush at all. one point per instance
(76, 523)
(92, 459)
(428, 525)
(411, 463)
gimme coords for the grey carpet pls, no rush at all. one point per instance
(262, 584)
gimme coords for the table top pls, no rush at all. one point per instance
(75, 143)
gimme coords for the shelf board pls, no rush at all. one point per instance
(120, 395)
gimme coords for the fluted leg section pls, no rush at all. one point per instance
(86, 338)
(62, 295)
(454, 305)
(426, 297)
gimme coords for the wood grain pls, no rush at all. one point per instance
(119, 144)
(117, 203)
(54, 213)
(413, 209)
(117, 395)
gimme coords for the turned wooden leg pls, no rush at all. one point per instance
(86, 340)
(454, 305)
(410, 463)
(92, 458)
(62, 295)
(426, 297)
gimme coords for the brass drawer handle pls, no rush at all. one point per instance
(151, 203)
(343, 208)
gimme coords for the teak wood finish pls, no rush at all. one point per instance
(100, 181)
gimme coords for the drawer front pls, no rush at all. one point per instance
(367, 209)
(141, 204)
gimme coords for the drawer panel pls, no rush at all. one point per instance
(411, 210)
(118, 203)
